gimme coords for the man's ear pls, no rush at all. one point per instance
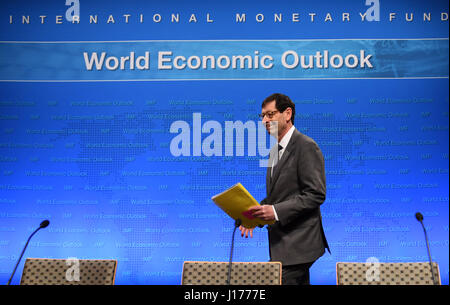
(288, 112)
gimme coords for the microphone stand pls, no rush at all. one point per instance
(237, 223)
(43, 225)
(429, 253)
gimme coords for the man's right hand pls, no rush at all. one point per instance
(245, 231)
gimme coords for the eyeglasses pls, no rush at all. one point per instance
(269, 114)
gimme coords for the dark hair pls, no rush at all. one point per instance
(282, 102)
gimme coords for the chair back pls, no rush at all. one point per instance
(386, 273)
(45, 271)
(242, 273)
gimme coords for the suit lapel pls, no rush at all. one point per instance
(277, 169)
(268, 180)
(269, 177)
(286, 154)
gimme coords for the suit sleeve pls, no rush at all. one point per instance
(311, 184)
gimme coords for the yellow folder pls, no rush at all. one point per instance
(235, 201)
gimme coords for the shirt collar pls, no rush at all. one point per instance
(287, 137)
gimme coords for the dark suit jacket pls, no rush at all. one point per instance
(297, 189)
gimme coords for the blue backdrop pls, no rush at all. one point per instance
(89, 148)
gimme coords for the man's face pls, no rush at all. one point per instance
(273, 120)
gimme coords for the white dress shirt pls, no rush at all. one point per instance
(284, 143)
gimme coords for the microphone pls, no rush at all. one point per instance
(43, 225)
(237, 223)
(419, 218)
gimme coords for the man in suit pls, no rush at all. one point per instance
(295, 185)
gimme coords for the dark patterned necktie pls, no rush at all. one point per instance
(280, 148)
(276, 163)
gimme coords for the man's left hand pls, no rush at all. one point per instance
(264, 212)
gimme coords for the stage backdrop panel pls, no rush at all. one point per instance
(117, 127)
